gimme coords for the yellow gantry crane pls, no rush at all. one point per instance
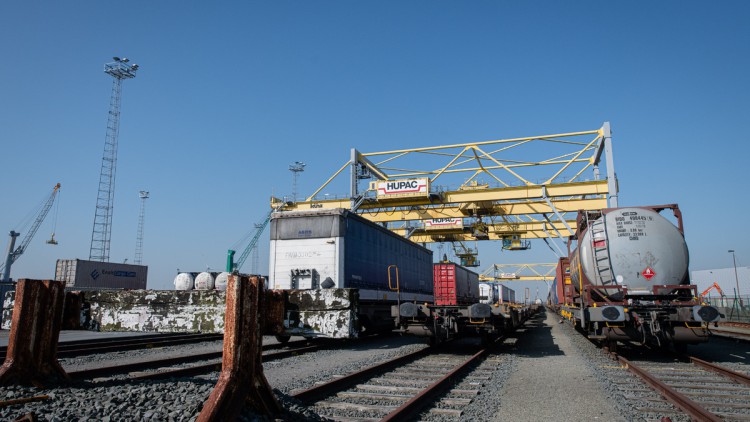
(510, 190)
(519, 272)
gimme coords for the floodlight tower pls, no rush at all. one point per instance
(296, 168)
(141, 217)
(101, 234)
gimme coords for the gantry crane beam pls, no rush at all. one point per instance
(378, 213)
(519, 272)
(531, 230)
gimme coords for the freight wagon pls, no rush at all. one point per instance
(627, 279)
(462, 308)
(492, 293)
(343, 272)
(454, 285)
(82, 274)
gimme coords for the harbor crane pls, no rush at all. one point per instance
(259, 228)
(14, 254)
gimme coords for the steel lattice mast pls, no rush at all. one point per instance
(101, 234)
(142, 216)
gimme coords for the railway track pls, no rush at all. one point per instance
(83, 347)
(185, 366)
(702, 390)
(401, 388)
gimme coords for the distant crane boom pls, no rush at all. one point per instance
(13, 255)
(235, 266)
(713, 286)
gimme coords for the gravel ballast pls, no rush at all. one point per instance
(181, 400)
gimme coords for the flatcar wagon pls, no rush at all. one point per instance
(460, 308)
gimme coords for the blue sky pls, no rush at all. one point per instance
(229, 93)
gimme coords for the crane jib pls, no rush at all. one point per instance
(13, 255)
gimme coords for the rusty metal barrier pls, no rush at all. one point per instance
(241, 380)
(35, 330)
(72, 311)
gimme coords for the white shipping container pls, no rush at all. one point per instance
(488, 293)
(338, 249)
(80, 273)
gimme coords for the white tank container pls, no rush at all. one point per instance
(183, 281)
(221, 281)
(204, 281)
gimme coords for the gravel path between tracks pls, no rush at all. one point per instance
(554, 378)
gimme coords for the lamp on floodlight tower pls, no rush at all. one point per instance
(296, 168)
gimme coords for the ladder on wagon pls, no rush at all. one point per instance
(600, 250)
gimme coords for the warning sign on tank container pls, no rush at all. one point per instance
(648, 273)
(403, 187)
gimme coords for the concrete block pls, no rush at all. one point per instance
(155, 310)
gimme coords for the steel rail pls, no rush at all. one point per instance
(114, 340)
(132, 343)
(734, 375)
(137, 345)
(693, 409)
(416, 403)
(731, 335)
(128, 367)
(216, 365)
(135, 366)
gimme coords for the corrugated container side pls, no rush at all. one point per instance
(455, 285)
(78, 273)
(507, 294)
(371, 249)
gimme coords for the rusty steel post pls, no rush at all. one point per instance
(35, 330)
(72, 311)
(274, 306)
(241, 380)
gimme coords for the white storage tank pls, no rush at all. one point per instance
(221, 281)
(204, 281)
(183, 281)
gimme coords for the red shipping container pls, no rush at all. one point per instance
(455, 285)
